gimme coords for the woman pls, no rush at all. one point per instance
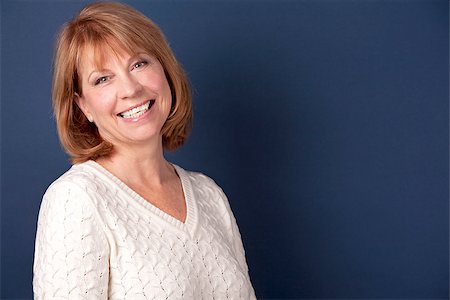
(123, 223)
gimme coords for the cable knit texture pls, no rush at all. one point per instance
(98, 239)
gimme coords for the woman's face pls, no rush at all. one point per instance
(128, 98)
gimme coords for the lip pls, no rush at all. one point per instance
(141, 117)
(135, 120)
(137, 105)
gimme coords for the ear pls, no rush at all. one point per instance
(81, 102)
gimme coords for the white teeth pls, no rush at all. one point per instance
(136, 112)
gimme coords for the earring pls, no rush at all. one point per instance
(90, 119)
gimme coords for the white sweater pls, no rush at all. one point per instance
(98, 239)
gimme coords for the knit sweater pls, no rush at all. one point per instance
(98, 239)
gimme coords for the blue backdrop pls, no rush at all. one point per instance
(326, 123)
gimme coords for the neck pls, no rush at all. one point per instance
(138, 164)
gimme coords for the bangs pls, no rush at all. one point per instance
(99, 50)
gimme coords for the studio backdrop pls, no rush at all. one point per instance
(325, 122)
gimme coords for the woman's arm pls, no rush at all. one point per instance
(71, 251)
(237, 242)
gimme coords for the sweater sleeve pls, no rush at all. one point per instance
(237, 242)
(71, 251)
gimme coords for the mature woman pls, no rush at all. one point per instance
(124, 223)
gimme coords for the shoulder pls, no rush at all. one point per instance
(79, 174)
(80, 178)
(211, 200)
(64, 202)
(71, 200)
(78, 188)
(206, 191)
(201, 182)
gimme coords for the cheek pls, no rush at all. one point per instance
(156, 81)
(101, 103)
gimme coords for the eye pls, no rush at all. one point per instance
(140, 64)
(100, 80)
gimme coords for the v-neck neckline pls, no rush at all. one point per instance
(191, 219)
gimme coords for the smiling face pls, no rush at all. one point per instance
(127, 97)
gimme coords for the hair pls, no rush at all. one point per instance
(116, 27)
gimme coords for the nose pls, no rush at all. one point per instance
(130, 87)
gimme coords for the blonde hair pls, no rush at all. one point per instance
(116, 27)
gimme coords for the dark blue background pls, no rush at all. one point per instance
(326, 123)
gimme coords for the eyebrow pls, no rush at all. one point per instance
(95, 71)
(132, 57)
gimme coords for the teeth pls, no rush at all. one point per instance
(136, 112)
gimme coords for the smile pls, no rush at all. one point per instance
(137, 111)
